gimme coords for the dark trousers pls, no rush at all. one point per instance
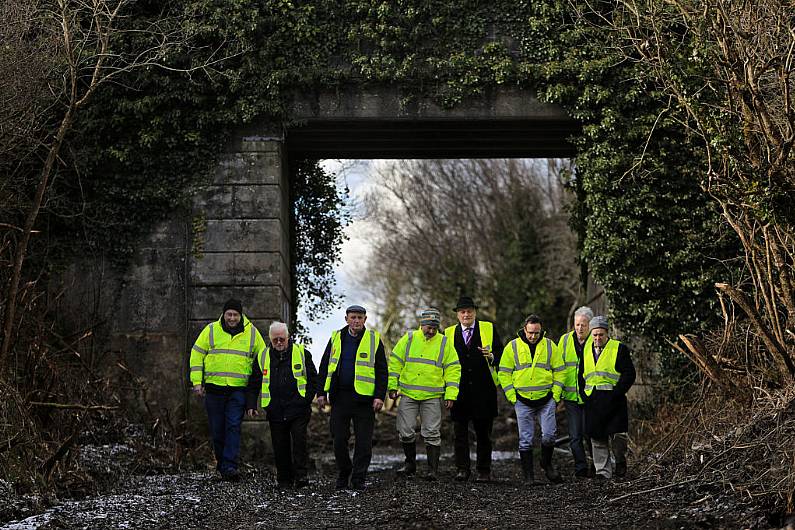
(289, 448)
(575, 416)
(483, 438)
(225, 414)
(346, 408)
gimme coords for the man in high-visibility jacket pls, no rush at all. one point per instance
(528, 369)
(479, 349)
(283, 384)
(353, 374)
(570, 348)
(608, 374)
(425, 371)
(220, 364)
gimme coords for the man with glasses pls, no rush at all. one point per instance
(284, 380)
(528, 368)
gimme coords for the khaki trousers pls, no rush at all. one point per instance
(430, 413)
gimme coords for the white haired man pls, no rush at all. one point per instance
(571, 346)
(285, 383)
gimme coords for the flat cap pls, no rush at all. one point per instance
(355, 309)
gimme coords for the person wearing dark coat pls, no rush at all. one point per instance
(288, 406)
(479, 349)
(608, 374)
(355, 386)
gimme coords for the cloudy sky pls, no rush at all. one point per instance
(354, 173)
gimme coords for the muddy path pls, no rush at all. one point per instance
(198, 500)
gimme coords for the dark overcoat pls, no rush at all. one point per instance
(606, 410)
(477, 395)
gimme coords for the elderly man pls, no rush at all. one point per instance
(529, 366)
(220, 365)
(571, 347)
(608, 373)
(354, 376)
(425, 369)
(284, 382)
(479, 350)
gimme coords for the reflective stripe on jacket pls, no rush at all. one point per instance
(298, 362)
(425, 369)
(532, 378)
(601, 375)
(364, 369)
(486, 331)
(570, 362)
(221, 359)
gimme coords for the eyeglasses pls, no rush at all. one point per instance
(279, 339)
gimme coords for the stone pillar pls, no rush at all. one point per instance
(241, 244)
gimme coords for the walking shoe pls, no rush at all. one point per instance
(581, 474)
(232, 475)
(484, 475)
(357, 485)
(462, 475)
(342, 484)
(301, 483)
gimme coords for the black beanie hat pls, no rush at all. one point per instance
(233, 304)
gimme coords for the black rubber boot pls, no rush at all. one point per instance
(546, 464)
(410, 466)
(433, 452)
(526, 458)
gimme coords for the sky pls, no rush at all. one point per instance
(354, 173)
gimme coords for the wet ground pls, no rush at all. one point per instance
(199, 500)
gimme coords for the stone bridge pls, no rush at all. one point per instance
(237, 240)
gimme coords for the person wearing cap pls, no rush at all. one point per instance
(284, 383)
(571, 347)
(424, 370)
(353, 375)
(529, 366)
(479, 350)
(608, 375)
(220, 365)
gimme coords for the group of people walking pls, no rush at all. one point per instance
(429, 370)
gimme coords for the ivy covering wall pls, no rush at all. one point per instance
(648, 234)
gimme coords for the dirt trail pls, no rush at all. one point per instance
(197, 500)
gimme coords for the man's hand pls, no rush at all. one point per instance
(252, 412)
(377, 405)
(393, 394)
(322, 401)
(486, 352)
(198, 391)
(448, 403)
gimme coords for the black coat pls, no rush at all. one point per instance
(286, 403)
(606, 410)
(477, 395)
(381, 374)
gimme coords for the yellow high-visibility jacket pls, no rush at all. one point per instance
(425, 369)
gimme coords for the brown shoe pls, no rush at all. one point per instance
(483, 475)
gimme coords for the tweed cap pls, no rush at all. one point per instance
(598, 322)
(355, 309)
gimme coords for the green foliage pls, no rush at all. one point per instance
(651, 238)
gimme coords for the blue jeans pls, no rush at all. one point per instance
(526, 418)
(225, 414)
(575, 415)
